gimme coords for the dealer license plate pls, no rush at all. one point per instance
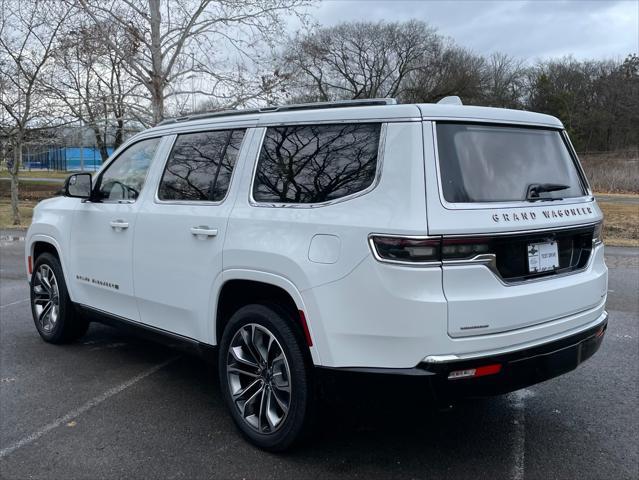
(542, 257)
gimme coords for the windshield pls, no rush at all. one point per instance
(490, 163)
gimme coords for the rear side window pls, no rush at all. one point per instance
(492, 163)
(200, 166)
(316, 163)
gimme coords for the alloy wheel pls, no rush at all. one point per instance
(46, 301)
(259, 378)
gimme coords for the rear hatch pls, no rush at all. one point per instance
(517, 223)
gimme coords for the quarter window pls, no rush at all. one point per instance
(316, 163)
(124, 177)
(200, 166)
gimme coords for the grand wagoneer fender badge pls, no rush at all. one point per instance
(95, 281)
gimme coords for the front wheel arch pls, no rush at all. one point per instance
(49, 298)
(39, 247)
(40, 244)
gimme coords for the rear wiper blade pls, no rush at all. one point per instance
(534, 189)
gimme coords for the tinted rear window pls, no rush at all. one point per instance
(490, 163)
(200, 166)
(316, 163)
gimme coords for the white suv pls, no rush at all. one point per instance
(459, 243)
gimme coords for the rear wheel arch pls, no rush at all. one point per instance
(236, 293)
(266, 377)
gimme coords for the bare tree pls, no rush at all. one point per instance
(451, 71)
(91, 82)
(498, 80)
(504, 81)
(597, 101)
(185, 40)
(358, 60)
(28, 33)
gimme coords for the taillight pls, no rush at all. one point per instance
(406, 249)
(463, 248)
(428, 250)
(597, 235)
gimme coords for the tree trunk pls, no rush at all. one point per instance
(157, 100)
(15, 211)
(104, 152)
(157, 79)
(14, 171)
(99, 142)
(119, 132)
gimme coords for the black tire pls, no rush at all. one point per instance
(296, 421)
(63, 323)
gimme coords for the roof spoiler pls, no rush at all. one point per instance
(451, 100)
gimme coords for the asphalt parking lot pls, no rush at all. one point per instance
(115, 406)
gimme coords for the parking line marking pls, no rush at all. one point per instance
(519, 441)
(83, 409)
(14, 303)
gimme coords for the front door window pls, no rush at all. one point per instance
(124, 178)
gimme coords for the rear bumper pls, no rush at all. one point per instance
(389, 316)
(518, 369)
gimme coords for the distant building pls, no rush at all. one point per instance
(54, 157)
(62, 148)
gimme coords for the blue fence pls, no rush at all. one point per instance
(64, 158)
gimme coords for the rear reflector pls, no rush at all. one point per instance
(307, 333)
(475, 372)
(30, 263)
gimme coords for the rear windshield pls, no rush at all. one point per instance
(490, 163)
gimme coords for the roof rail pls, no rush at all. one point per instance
(363, 102)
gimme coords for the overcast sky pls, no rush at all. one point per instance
(533, 29)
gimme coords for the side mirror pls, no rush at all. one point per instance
(78, 186)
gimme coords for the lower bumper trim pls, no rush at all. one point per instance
(518, 369)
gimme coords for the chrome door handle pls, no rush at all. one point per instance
(119, 225)
(203, 230)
